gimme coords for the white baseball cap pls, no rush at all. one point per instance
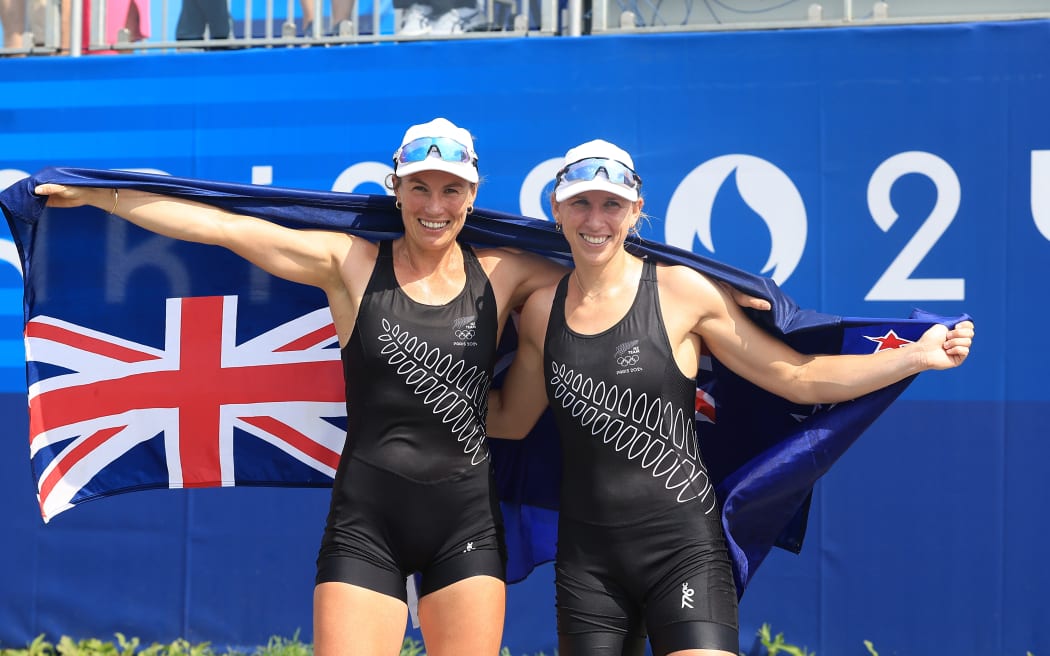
(439, 145)
(597, 175)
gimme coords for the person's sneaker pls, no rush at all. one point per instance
(416, 20)
(447, 23)
(343, 28)
(456, 21)
(473, 19)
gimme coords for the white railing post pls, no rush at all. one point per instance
(76, 28)
(549, 13)
(599, 16)
(288, 27)
(575, 17)
(97, 29)
(247, 21)
(164, 20)
(53, 24)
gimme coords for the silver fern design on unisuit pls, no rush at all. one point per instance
(448, 387)
(643, 429)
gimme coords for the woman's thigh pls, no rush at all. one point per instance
(353, 621)
(465, 617)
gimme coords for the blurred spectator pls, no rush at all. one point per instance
(348, 10)
(131, 16)
(37, 10)
(13, 19)
(440, 16)
(196, 15)
(340, 12)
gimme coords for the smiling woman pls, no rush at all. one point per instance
(641, 548)
(413, 491)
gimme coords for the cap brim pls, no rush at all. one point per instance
(458, 169)
(597, 184)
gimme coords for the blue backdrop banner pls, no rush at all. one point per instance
(867, 171)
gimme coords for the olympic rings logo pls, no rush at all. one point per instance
(627, 360)
(464, 333)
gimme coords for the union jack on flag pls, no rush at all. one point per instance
(186, 404)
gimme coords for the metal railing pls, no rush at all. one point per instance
(42, 29)
(43, 32)
(618, 16)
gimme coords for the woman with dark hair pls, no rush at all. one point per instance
(418, 319)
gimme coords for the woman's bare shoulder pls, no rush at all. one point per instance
(679, 279)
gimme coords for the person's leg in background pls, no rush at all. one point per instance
(196, 14)
(191, 22)
(217, 15)
(307, 9)
(38, 21)
(342, 10)
(122, 16)
(132, 15)
(13, 18)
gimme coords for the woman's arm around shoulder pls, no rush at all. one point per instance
(516, 274)
(514, 408)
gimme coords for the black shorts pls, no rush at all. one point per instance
(669, 577)
(383, 527)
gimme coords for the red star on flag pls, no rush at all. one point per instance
(888, 341)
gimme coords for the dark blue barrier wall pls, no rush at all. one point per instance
(869, 171)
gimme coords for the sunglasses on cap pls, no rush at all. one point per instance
(447, 149)
(587, 169)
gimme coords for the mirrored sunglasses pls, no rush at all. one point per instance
(447, 149)
(614, 171)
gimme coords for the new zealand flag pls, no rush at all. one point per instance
(157, 363)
